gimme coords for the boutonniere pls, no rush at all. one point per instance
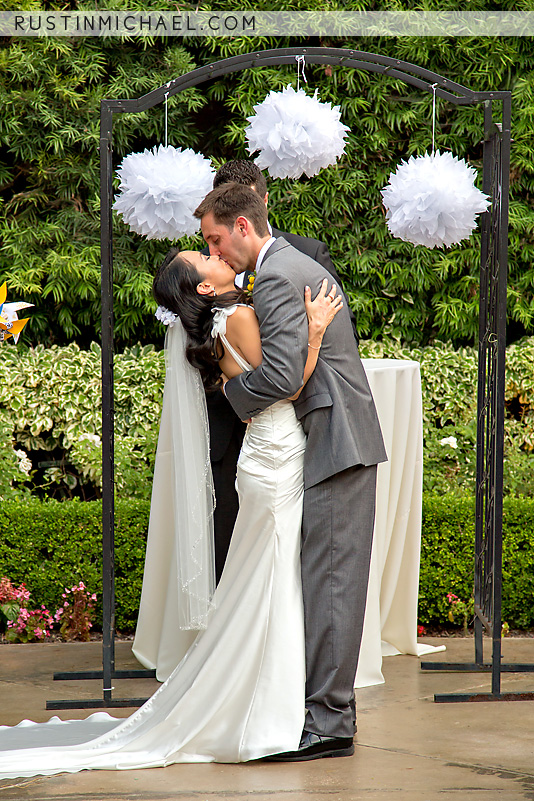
(250, 286)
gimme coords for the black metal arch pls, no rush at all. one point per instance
(494, 250)
(356, 59)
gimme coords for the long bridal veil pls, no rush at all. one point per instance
(174, 599)
(194, 497)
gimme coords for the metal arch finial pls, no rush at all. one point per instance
(433, 87)
(301, 63)
(166, 116)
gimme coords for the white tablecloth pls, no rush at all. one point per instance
(390, 625)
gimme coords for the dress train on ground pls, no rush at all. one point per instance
(238, 694)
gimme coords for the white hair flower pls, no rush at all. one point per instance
(165, 316)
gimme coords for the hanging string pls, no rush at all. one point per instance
(166, 115)
(433, 87)
(301, 62)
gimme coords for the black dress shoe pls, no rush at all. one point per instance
(316, 746)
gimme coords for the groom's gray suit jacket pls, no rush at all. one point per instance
(335, 407)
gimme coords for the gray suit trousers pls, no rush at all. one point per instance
(337, 532)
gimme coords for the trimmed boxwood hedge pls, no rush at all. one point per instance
(447, 559)
(49, 545)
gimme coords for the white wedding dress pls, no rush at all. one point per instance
(238, 694)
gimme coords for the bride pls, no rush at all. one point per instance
(238, 693)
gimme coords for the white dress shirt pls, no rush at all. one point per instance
(240, 277)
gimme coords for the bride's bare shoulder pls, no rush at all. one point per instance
(244, 316)
(243, 332)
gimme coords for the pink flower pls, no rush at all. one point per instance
(452, 599)
(6, 590)
(421, 631)
(10, 593)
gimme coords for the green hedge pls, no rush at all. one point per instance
(50, 408)
(447, 560)
(51, 545)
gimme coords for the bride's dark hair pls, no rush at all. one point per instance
(175, 287)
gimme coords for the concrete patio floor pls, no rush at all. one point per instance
(408, 747)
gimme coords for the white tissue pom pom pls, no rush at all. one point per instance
(160, 189)
(432, 200)
(295, 134)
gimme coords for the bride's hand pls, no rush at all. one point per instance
(322, 310)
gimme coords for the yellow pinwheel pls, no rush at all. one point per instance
(10, 325)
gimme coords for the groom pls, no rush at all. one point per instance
(226, 429)
(344, 445)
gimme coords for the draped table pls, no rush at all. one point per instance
(390, 625)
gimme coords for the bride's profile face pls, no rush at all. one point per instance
(214, 270)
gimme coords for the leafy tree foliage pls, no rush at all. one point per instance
(50, 91)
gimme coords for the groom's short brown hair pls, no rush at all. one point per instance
(230, 201)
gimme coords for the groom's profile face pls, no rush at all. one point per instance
(228, 243)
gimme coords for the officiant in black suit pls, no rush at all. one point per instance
(226, 430)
